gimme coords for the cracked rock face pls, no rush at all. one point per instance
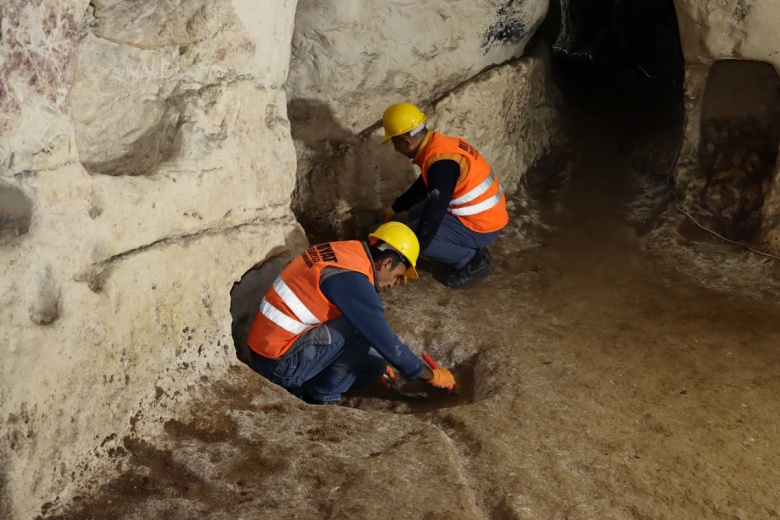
(145, 165)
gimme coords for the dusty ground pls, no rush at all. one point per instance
(611, 368)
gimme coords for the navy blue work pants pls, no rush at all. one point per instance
(324, 368)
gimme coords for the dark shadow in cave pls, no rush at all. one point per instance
(246, 295)
(316, 185)
(621, 62)
(619, 58)
(618, 69)
(336, 170)
(16, 210)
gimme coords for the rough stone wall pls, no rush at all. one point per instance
(146, 163)
(726, 29)
(351, 60)
(507, 112)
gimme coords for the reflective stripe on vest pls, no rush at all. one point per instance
(476, 182)
(307, 319)
(481, 188)
(479, 208)
(485, 205)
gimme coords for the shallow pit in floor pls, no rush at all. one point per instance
(375, 397)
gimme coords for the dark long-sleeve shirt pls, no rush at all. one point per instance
(442, 179)
(358, 301)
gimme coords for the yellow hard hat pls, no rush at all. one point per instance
(401, 118)
(403, 240)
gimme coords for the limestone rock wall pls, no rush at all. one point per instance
(350, 60)
(727, 29)
(507, 112)
(146, 164)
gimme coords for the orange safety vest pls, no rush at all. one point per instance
(295, 303)
(478, 200)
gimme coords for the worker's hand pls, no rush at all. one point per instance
(442, 378)
(386, 214)
(387, 378)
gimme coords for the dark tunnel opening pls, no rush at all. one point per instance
(620, 63)
(618, 72)
(618, 57)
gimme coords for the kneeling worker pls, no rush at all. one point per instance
(456, 205)
(321, 327)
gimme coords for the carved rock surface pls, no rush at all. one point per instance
(351, 60)
(739, 29)
(358, 58)
(146, 163)
(507, 113)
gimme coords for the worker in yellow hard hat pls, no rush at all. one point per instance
(321, 328)
(456, 206)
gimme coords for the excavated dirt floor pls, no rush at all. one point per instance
(613, 367)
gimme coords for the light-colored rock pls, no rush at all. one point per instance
(146, 159)
(768, 238)
(506, 113)
(357, 58)
(729, 29)
(351, 60)
(38, 50)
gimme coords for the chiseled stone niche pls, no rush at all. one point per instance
(146, 163)
(15, 213)
(726, 30)
(740, 136)
(351, 59)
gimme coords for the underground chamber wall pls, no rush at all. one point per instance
(740, 133)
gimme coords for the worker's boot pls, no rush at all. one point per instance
(480, 266)
(310, 400)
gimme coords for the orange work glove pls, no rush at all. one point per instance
(442, 378)
(387, 378)
(386, 215)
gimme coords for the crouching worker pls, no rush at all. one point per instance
(321, 327)
(456, 206)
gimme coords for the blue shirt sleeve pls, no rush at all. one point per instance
(358, 301)
(442, 179)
